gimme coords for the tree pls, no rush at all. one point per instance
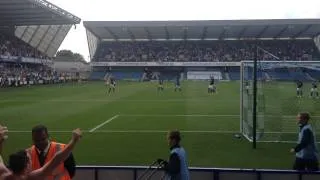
(68, 55)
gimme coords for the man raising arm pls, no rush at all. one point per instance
(19, 162)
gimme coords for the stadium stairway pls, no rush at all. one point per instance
(314, 73)
(309, 77)
(267, 76)
(226, 76)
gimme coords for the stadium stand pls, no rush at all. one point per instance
(31, 32)
(207, 51)
(222, 44)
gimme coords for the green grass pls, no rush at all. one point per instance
(138, 135)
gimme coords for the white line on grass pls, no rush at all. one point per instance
(205, 115)
(133, 131)
(153, 131)
(179, 115)
(163, 131)
(104, 123)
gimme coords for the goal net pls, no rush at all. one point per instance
(277, 101)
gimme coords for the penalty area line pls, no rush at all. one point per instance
(104, 123)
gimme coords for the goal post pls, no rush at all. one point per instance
(277, 103)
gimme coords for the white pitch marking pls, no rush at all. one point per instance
(131, 131)
(104, 123)
(179, 115)
(152, 131)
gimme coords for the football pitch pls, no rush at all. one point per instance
(129, 127)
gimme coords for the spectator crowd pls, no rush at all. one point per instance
(12, 46)
(14, 73)
(207, 51)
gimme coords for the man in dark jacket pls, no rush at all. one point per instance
(306, 150)
(177, 167)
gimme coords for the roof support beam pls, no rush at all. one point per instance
(185, 33)
(115, 37)
(25, 22)
(89, 29)
(222, 34)
(167, 32)
(302, 31)
(24, 31)
(281, 32)
(262, 32)
(148, 33)
(56, 10)
(34, 33)
(131, 34)
(242, 32)
(54, 37)
(44, 35)
(204, 32)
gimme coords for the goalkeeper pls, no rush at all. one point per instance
(247, 86)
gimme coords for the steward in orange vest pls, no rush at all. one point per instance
(43, 151)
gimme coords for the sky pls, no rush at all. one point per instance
(139, 10)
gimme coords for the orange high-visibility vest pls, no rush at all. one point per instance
(60, 173)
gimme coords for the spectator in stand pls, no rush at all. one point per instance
(12, 46)
(209, 51)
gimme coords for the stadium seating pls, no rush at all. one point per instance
(209, 51)
(15, 73)
(12, 46)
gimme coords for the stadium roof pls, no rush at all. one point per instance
(196, 30)
(212, 29)
(37, 22)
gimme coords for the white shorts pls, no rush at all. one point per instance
(210, 87)
(298, 89)
(247, 87)
(314, 89)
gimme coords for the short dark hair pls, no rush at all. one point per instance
(304, 116)
(18, 161)
(39, 128)
(175, 134)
